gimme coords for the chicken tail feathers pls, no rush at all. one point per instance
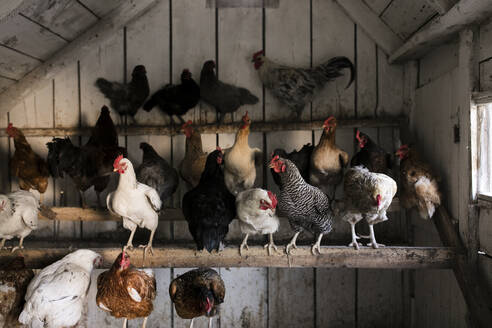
(246, 97)
(104, 86)
(331, 70)
(151, 103)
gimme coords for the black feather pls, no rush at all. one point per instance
(301, 159)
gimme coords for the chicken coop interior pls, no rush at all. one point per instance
(387, 103)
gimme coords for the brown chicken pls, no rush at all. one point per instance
(193, 163)
(28, 166)
(14, 278)
(419, 187)
(327, 160)
(196, 293)
(126, 292)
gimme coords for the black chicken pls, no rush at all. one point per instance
(176, 99)
(226, 98)
(210, 207)
(371, 155)
(126, 99)
(301, 159)
(104, 133)
(156, 172)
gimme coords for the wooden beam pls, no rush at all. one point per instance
(186, 256)
(375, 28)
(80, 47)
(441, 6)
(9, 8)
(482, 97)
(463, 14)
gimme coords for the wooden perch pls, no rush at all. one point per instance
(172, 256)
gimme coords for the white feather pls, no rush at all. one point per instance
(19, 215)
(104, 307)
(252, 219)
(134, 294)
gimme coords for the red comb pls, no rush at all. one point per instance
(117, 161)
(219, 149)
(10, 126)
(186, 124)
(258, 53)
(245, 117)
(357, 135)
(273, 199)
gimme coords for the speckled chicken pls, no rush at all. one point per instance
(197, 293)
(306, 207)
(193, 163)
(301, 158)
(367, 196)
(126, 292)
(241, 160)
(371, 155)
(256, 214)
(419, 185)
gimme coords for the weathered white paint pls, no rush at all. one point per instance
(441, 6)
(405, 17)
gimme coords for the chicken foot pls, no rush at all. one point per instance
(144, 322)
(148, 247)
(129, 244)
(354, 242)
(271, 245)
(292, 243)
(210, 321)
(317, 245)
(244, 244)
(21, 241)
(191, 323)
(125, 321)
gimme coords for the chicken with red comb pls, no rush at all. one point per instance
(371, 155)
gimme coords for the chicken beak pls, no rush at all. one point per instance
(115, 170)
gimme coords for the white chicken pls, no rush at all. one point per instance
(18, 216)
(56, 296)
(137, 203)
(256, 214)
(367, 195)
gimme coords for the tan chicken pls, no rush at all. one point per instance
(193, 163)
(327, 160)
(419, 187)
(241, 160)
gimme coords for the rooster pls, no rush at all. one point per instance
(256, 214)
(125, 292)
(28, 166)
(18, 216)
(126, 99)
(225, 98)
(176, 99)
(367, 195)
(196, 293)
(241, 160)
(193, 163)
(56, 296)
(301, 159)
(209, 208)
(371, 155)
(137, 203)
(419, 185)
(295, 87)
(327, 160)
(305, 206)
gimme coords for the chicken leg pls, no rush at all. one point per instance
(125, 321)
(244, 244)
(191, 323)
(373, 242)
(129, 244)
(210, 321)
(354, 242)
(144, 322)
(21, 241)
(271, 245)
(317, 245)
(148, 247)
(292, 243)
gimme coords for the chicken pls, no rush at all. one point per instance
(137, 203)
(301, 159)
(305, 206)
(196, 293)
(126, 292)
(241, 160)
(367, 196)
(419, 185)
(370, 155)
(256, 214)
(327, 160)
(14, 278)
(193, 163)
(56, 296)
(18, 216)
(104, 132)
(156, 172)
(210, 207)
(176, 99)
(26, 165)
(295, 87)
(126, 99)
(225, 98)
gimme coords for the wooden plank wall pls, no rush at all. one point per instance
(180, 34)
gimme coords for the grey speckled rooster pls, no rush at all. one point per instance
(305, 206)
(295, 87)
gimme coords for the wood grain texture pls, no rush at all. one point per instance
(14, 65)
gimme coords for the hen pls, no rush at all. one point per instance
(305, 206)
(419, 185)
(126, 292)
(14, 278)
(295, 87)
(367, 196)
(56, 296)
(137, 203)
(196, 293)
(176, 99)
(104, 132)
(156, 172)
(18, 216)
(371, 155)
(28, 166)
(126, 99)
(256, 214)
(241, 160)
(328, 160)
(225, 98)
(193, 163)
(301, 159)
(209, 207)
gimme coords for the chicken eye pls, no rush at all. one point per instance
(412, 173)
